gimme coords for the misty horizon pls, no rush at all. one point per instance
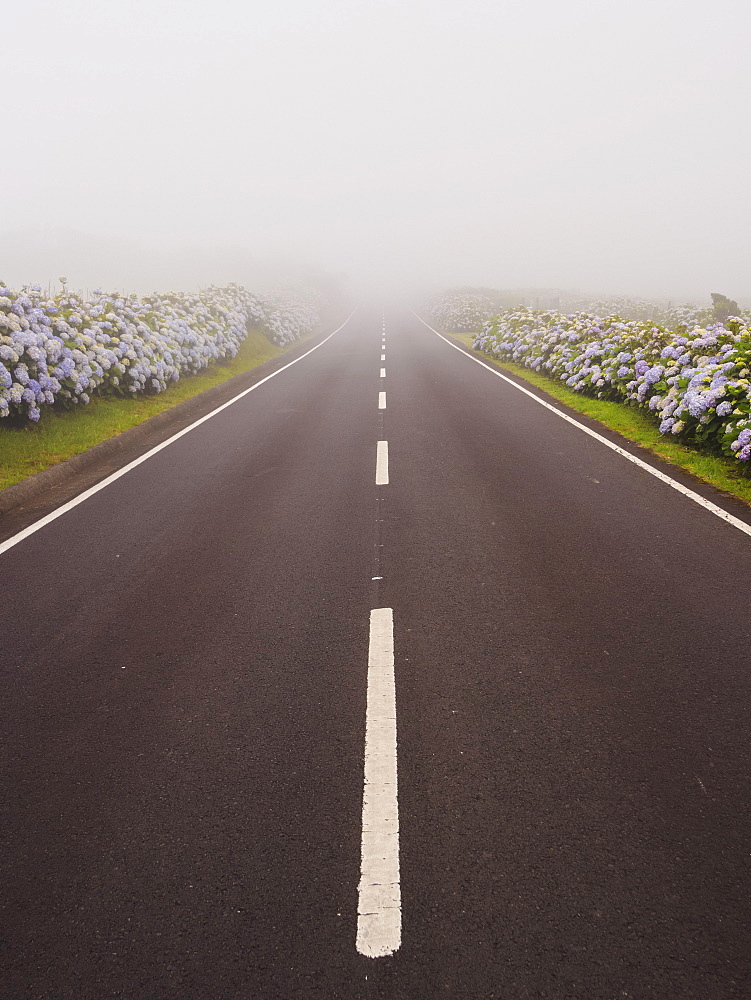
(401, 146)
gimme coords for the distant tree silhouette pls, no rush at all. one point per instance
(724, 307)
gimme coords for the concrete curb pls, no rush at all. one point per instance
(149, 433)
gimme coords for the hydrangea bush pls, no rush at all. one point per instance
(673, 317)
(61, 351)
(461, 312)
(695, 382)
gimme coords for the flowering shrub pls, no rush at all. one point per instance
(653, 311)
(696, 383)
(61, 351)
(461, 312)
(465, 311)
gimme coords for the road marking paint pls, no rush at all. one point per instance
(706, 504)
(381, 400)
(383, 373)
(379, 908)
(382, 463)
(383, 357)
(15, 539)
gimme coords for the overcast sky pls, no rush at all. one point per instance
(602, 145)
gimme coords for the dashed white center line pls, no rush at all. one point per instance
(383, 357)
(382, 463)
(379, 913)
(381, 400)
(383, 373)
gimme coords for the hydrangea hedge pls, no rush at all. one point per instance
(651, 311)
(61, 351)
(695, 381)
(464, 310)
(460, 312)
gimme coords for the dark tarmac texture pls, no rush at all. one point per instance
(184, 665)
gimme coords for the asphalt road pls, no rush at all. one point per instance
(185, 666)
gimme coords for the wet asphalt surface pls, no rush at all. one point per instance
(184, 663)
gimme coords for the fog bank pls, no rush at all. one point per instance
(157, 143)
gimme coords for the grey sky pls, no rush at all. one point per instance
(599, 145)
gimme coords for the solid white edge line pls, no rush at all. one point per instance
(381, 400)
(382, 463)
(379, 913)
(32, 528)
(706, 504)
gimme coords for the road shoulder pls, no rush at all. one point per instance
(24, 502)
(701, 470)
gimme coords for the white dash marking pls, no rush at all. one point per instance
(383, 357)
(382, 463)
(381, 400)
(383, 373)
(379, 908)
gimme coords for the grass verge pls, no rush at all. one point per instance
(634, 425)
(32, 448)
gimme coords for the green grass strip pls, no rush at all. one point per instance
(633, 424)
(59, 435)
